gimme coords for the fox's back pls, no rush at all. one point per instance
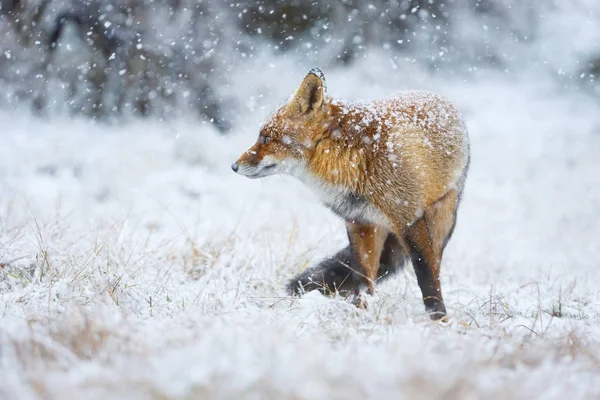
(413, 119)
(429, 136)
(414, 146)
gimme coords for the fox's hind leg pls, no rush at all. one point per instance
(426, 239)
(367, 243)
(441, 219)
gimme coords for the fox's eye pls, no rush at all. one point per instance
(265, 139)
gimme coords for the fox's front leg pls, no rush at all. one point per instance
(367, 243)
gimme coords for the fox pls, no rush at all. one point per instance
(393, 169)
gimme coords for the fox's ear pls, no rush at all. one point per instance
(310, 94)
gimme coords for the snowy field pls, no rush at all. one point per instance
(134, 264)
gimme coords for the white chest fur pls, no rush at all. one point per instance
(344, 203)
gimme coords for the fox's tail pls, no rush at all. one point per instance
(336, 274)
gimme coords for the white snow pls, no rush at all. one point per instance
(145, 268)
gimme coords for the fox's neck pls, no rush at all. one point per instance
(340, 156)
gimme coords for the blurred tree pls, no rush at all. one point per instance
(121, 63)
(108, 58)
(353, 24)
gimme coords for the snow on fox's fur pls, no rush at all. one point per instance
(394, 166)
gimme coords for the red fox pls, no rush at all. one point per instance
(393, 169)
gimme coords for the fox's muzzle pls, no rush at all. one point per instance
(259, 169)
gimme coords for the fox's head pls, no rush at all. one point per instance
(287, 140)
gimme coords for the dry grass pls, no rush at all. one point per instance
(109, 327)
(147, 292)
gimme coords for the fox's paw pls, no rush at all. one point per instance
(437, 311)
(361, 303)
(360, 300)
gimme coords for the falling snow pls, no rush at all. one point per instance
(135, 264)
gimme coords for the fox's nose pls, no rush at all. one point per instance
(235, 167)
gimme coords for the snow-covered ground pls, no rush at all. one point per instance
(135, 264)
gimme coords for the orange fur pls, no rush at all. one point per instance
(389, 166)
